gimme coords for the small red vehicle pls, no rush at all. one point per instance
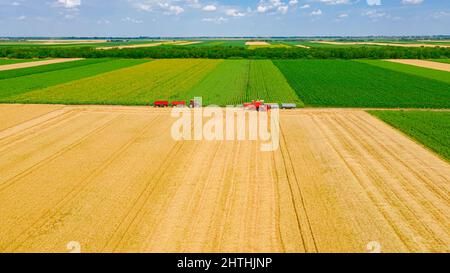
(178, 103)
(161, 103)
(257, 106)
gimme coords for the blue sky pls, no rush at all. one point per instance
(223, 18)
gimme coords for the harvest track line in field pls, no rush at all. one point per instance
(36, 63)
(113, 179)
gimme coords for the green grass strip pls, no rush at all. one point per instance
(427, 127)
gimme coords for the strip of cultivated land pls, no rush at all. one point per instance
(432, 74)
(113, 179)
(14, 61)
(425, 64)
(341, 83)
(446, 61)
(384, 44)
(15, 87)
(431, 128)
(36, 63)
(236, 81)
(219, 82)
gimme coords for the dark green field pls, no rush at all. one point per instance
(430, 128)
(410, 69)
(341, 83)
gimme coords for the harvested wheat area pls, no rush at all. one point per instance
(381, 44)
(36, 63)
(256, 43)
(113, 179)
(423, 63)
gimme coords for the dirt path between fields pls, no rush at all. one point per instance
(36, 63)
(379, 44)
(256, 43)
(422, 63)
(113, 179)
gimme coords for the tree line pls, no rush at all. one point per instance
(228, 52)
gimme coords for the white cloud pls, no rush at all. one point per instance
(274, 6)
(168, 7)
(305, 6)
(69, 4)
(234, 13)
(316, 12)
(412, 2)
(334, 2)
(374, 2)
(209, 8)
(131, 20)
(216, 20)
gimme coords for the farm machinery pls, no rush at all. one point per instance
(255, 105)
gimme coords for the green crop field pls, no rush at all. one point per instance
(12, 88)
(341, 83)
(15, 73)
(427, 127)
(411, 69)
(14, 61)
(236, 81)
(136, 85)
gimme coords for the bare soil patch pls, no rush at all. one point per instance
(36, 63)
(423, 63)
(381, 44)
(256, 43)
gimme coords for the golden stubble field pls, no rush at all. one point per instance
(112, 179)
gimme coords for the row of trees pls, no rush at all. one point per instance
(222, 52)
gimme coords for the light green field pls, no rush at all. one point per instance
(237, 81)
(14, 61)
(411, 69)
(16, 89)
(136, 85)
(432, 129)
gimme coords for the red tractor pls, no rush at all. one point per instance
(257, 106)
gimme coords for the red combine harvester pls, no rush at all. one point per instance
(178, 103)
(257, 106)
(161, 103)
